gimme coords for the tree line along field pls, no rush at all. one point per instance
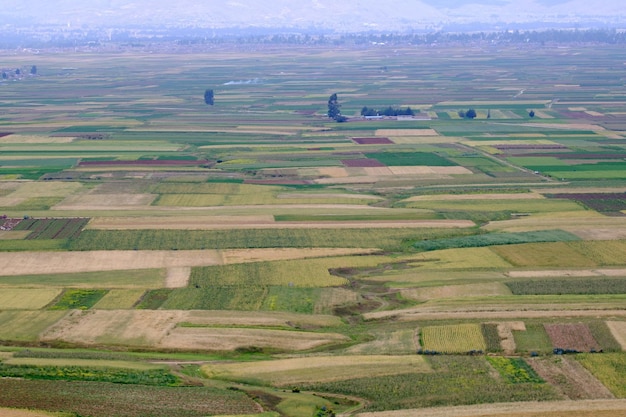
(255, 257)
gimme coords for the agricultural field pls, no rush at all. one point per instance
(256, 258)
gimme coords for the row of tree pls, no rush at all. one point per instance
(389, 111)
(18, 72)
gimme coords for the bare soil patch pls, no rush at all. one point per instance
(12, 412)
(32, 263)
(458, 170)
(177, 277)
(505, 332)
(570, 378)
(333, 172)
(110, 327)
(374, 172)
(594, 233)
(197, 338)
(411, 170)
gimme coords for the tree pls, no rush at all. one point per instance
(333, 107)
(33, 70)
(470, 114)
(531, 113)
(209, 97)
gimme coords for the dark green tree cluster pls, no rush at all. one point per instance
(334, 111)
(209, 97)
(469, 114)
(389, 111)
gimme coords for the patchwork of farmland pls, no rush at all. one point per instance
(254, 257)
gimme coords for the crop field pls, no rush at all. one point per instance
(575, 337)
(131, 400)
(514, 370)
(140, 278)
(293, 372)
(29, 299)
(163, 257)
(608, 368)
(417, 390)
(459, 338)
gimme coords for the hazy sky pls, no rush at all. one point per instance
(346, 13)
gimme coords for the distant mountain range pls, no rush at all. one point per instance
(343, 15)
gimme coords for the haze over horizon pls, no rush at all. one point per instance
(348, 15)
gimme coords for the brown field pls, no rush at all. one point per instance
(570, 378)
(505, 331)
(105, 201)
(13, 412)
(207, 338)
(447, 197)
(550, 273)
(20, 139)
(458, 170)
(575, 336)
(235, 256)
(493, 313)
(377, 171)
(594, 233)
(33, 263)
(114, 327)
(258, 318)
(11, 201)
(455, 291)
(328, 195)
(159, 329)
(618, 329)
(585, 408)
(331, 172)
(312, 369)
(177, 277)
